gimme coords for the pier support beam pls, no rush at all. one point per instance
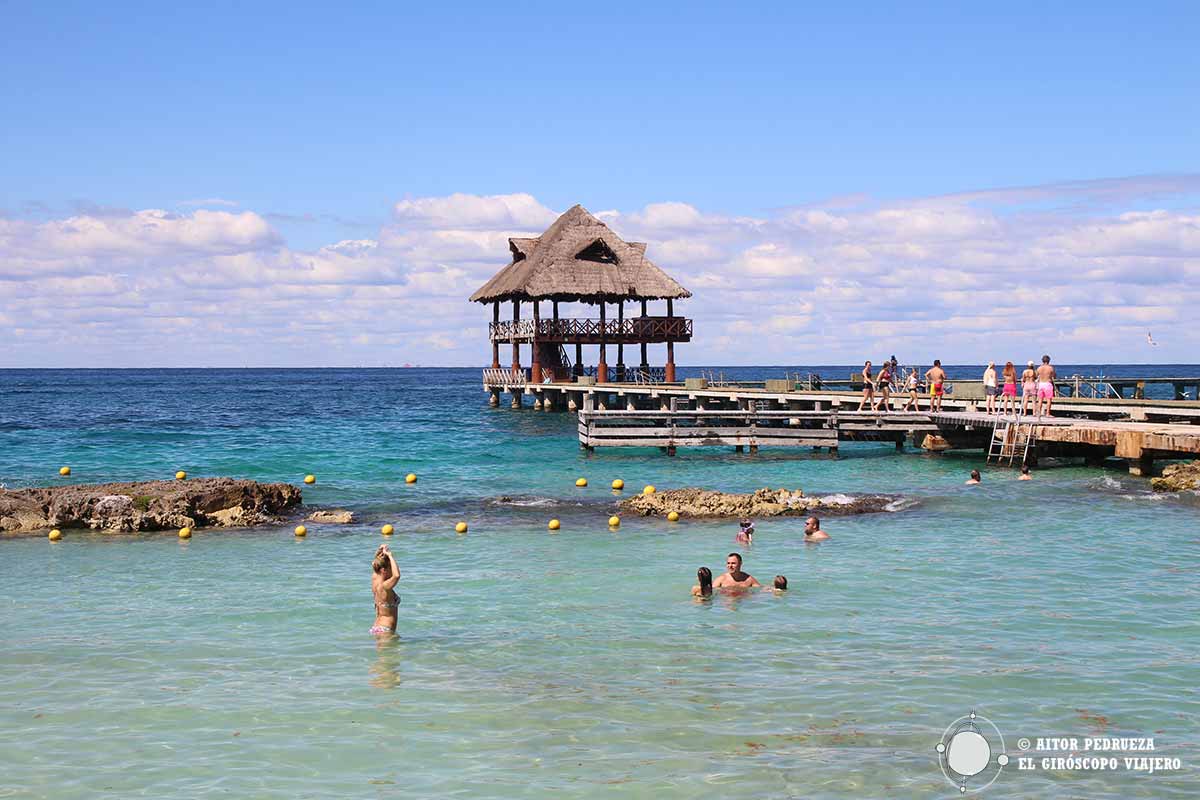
(494, 398)
(496, 342)
(602, 365)
(572, 403)
(535, 370)
(516, 398)
(547, 401)
(516, 361)
(1142, 466)
(621, 345)
(537, 402)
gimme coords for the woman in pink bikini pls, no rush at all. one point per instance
(1008, 400)
(385, 575)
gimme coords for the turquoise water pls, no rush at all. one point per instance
(535, 665)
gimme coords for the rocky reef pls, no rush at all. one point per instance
(146, 506)
(762, 503)
(1178, 478)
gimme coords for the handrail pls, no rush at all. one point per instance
(634, 327)
(507, 377)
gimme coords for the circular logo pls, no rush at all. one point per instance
(965, 753)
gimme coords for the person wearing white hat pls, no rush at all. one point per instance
(1028, 388)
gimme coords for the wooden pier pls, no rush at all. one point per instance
(671, 416)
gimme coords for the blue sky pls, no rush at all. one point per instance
(318, 120)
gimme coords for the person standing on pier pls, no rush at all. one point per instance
(885, 387)
(936, 378)
(1045, 388)
(868, 398)
(910, 386)
(989, 386)
(1008, 400)
(1028, 389)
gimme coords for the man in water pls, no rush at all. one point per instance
(1025, 476)
(975, 478)
(936, 378)
(1045, 388)
(735, 578)
(812, 530)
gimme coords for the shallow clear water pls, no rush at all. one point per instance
(574, 664)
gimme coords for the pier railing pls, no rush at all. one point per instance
(505, 377)
(592, 330)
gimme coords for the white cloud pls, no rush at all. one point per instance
(944, 276)
(468, 211)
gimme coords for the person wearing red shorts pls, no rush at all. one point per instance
(936, 378)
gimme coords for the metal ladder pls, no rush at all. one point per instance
(1009, 440)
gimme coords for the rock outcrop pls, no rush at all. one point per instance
(762, 503)
(1178, 478)
(147, 506)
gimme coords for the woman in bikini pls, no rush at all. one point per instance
(1028, 388)
(704, 587)
(885, 387)
(868, 398)
(385, 575)
(1008, 399)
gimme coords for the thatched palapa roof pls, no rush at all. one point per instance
(579, 258)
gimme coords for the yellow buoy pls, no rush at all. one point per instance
(581, 482)
(185, 533)
(180, 475)
(387, 530)
(614, 521)
(55, 535)
(554, 525)
(618, 484)
(310, 479)
(460, 527)
(301, 530)
(64, 471)
(649, 490)
(672, 516)
(410, 478)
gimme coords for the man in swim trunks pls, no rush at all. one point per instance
(936, 378)
(1045, 388)
(812, 530)
(735, 578)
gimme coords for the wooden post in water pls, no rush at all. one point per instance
(578, 359)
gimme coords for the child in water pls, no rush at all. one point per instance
(745, 534)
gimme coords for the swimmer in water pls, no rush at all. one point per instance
(734, 578)
(812, 530)
(780, 583)
(385, 575)
(976, 478)
(1025, 476)
(745, 534)
(704, 589)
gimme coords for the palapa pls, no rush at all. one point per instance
(579, 258)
